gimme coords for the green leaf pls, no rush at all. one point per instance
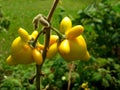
(96, 76)
(116, 8)
(11, 82)
(102, 61)
(117, 66)
(108, 77)
(105, 83)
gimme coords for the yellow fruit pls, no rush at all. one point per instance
(84, 85)
(53, 39)
(10, 61)
(23, 34)
(77, 51)
(86, 57)
(34, 34)
(65, 25)
(21, 52)
(52, 51)
(74, 46)
(74, 32)
(64, 47)
(37, 56)
(39, 46)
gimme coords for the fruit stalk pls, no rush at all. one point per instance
(61, 36)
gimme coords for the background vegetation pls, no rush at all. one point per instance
(102, 28)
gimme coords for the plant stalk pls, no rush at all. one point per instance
(71, 68)
(47, 39)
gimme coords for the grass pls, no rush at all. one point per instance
(21, 13)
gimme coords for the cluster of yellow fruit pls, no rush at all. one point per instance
(21, 51)
(72, 47)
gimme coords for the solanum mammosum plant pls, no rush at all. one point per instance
(68, 42)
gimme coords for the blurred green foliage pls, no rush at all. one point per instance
(4, 21)
(100, 73)
(102, 31)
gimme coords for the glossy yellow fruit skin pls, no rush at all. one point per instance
(23, 34)
(78, 50)
(73, 47)
(21, 50)
(52, 51)
(53, 39)
(85, 85)
(34, 34)
(39, 46)
(64, 47)
(86, 57)
(37, 56)
(65, 25)
(10, 60)
(74, 32)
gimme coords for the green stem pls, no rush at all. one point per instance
(38, 70)
(35, 41)
(61, 36)
(47, 39)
